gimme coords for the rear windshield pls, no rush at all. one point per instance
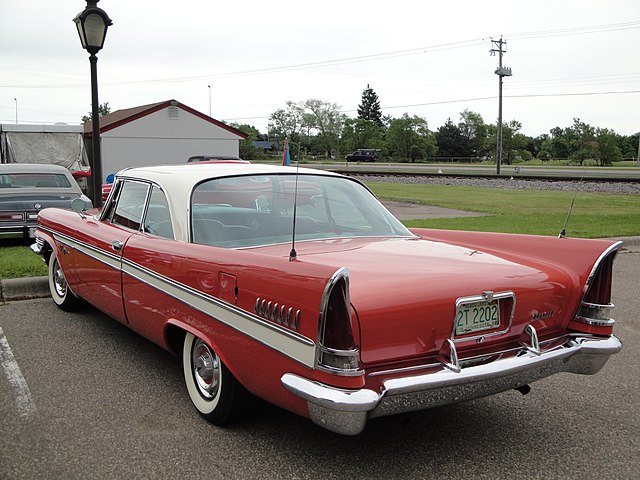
(255, 210)
(34, 180)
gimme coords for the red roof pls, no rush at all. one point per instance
(122, 117)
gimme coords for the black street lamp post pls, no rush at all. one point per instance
(92, 25)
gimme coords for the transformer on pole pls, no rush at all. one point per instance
(501, 72)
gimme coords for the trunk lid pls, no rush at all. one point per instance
(404, 291)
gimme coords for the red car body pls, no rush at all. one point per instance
(298, 286)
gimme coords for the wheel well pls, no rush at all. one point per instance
(47, 250)
(175, 338)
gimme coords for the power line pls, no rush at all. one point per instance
(359, 59)
(575, 30)
(473, 99)
(578, 94)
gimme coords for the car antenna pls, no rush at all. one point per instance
(563, 232)
(293, 254)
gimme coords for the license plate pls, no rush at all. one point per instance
(477, 316)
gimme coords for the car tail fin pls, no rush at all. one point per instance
(595, 308)
(337, 349)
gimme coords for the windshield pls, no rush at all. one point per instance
(247, 211)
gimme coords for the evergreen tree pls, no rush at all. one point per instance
(451, 141)
(369, 108)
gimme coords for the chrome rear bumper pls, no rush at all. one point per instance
(346, 411)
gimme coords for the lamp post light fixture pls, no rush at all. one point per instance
(92, 24)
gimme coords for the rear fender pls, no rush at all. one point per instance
(576, 256)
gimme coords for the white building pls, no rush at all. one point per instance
(161, 134)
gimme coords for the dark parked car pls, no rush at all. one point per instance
(364, 155)
(26, 188)
(215, 158)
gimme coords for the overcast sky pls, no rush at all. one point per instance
(570, 58)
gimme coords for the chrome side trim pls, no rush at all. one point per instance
(112, 260)
(285, 341)
(346, 411)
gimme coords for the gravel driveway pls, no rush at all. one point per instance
(511, 183)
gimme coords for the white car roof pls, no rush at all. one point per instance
(177, 177)
(178, 181)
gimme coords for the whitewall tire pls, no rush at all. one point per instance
(60, 292)
(213, 389)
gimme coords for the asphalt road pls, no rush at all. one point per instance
(81, 396)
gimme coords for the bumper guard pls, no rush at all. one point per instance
(346, 411)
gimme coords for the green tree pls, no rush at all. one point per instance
(582, 141)
(560, 143)
(369, 108)
(608, 149)
(103, 109)
(287, 122)
(450, 140)
(410, 138)
(629, 145)
(474, 132)
(359, 133)
(515, 145)
(247, 149)
(542, 145)
(325, 118)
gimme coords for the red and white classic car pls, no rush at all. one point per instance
(299, 287)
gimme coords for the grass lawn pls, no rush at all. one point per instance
(594, 215)
(17, 260)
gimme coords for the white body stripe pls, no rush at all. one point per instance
(287, 342)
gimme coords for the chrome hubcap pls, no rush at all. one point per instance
(206, 369)
(59, 280)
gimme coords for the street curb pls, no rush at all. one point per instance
(24, 288)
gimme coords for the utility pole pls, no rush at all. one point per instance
(501, 72)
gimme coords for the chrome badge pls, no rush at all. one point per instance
(277, 313)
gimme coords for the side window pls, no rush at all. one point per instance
(131, 201)
(109, 208)
(158, 219)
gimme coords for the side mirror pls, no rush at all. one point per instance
(77, 205)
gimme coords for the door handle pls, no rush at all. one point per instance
(117, 245)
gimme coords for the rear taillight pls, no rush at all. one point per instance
(595, 309)
(337, 349)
